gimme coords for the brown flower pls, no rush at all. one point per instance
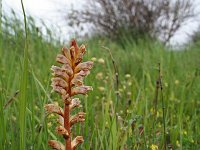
(68, 81)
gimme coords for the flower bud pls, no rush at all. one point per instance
(78, 140)
(60, 120)
(52, 108)
(84, 66)
(74, 103)
(62, 131)
(62, 59)
(56, 145)
(81, 90)
(80, 117)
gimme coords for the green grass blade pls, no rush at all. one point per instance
(23, 90)
(2, 123)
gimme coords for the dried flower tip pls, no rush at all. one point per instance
(59, 82)
(79, 54)
(56, 145)
(80, 117)
(52, 108)
(62, 59)
(66, 53)
(72, 52)
(60, 120)
(82, 49)
(74, 103)
(62, 131)
(84, 66)
(81, 90)
(75, 45)
(78, 140)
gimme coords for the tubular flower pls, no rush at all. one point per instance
(68, 81)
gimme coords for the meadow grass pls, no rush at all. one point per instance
(116, 118)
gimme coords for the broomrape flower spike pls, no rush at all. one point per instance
(67, 81)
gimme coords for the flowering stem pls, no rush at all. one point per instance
(68, 81)
(163, 108)
(67, 117)
(67, 125)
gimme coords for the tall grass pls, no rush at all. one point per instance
(128, 126)
(2, 122)
(23, 87)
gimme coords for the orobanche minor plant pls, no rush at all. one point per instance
(67, 80)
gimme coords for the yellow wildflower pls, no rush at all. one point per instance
(177, 143)
(176, 82)
(49, 124)
(99, 76)
(101, 61)
(127, 76)
(154, 147)
(93, 59)
(101, 88)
